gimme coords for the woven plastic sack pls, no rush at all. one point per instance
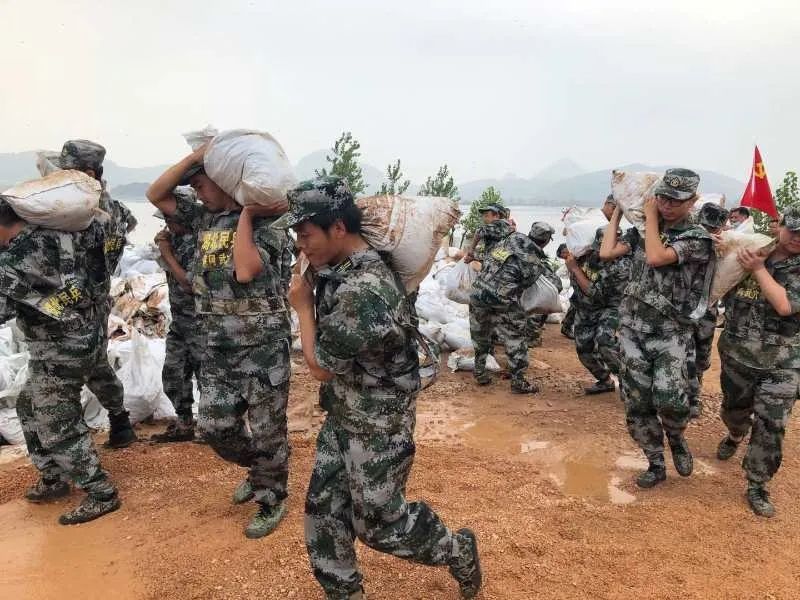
(541, 298)
(630, 191)
(729, 273)
(62, 200)
(458, 282)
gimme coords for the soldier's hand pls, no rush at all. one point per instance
(199, 155)
(650, 208)
(162, 236)
(300, 293)
(751, 261)
(469, 257)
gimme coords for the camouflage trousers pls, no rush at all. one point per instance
(759, 401)
(653, 383)
(534, 325)
(102, 380)
(357, 490)
(251, 381)
(568, 324)
(184, 352)
(49, 409)
(701, 361)
(505, 326)
(596, 341)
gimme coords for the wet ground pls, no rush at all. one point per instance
(545, 480)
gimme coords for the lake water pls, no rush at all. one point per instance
(524, 216)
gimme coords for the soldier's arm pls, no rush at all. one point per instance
(164, 242)
(612, 247)
(774, 292)
(578, 275)
(301, 297)
(656, 253)
(161, 191)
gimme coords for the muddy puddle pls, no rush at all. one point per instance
(579, 471)
(42, 560)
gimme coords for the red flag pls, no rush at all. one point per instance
(757, 193)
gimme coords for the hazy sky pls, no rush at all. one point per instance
(488, 87)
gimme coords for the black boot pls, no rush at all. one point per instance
(466, 568)
(44, 491)
(758, 499)
(681, 455)
(727, 448)
(121, 434)
(600, 387)
(655, 474)
(90, 509)
(180, 430)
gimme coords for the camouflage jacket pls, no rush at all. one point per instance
(508, 269)
(236, 314)
(364, 337)
(181, 303)
(661, 299)
(116, 229)
(44, 282)
(755, 334)
(608, 282)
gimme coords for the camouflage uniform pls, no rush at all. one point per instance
(760, 352)
(184, 348)
(365, 449)
(494, 307)
(245, 333)
(44, 282)
(103, 382)
(656, 334)
(597, 312)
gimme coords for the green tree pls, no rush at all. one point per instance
(393, 185)
(344, 163)
(786, 194)
(473, 219)
(441, 184)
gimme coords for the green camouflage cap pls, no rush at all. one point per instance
(712, 215)
(679, 184)
(541, 231)
(313, 197)
(81, 155)
(191, 172)
(492, 208)
(610, 199)
(791, 218)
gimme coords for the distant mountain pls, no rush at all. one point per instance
(130, 191)
(561, 169)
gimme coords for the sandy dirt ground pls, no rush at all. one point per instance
(545, 481)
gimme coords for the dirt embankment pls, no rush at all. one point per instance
(545, 481)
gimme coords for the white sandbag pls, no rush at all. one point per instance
(141, 360)
(580, 234)
(63, 200)
(747, 227)
(13, 375)
(432, 331)
(464, 360)
(250, 166)
(457, 282)
(139, 260)
(10, 427)
(630, 191)
(541, 298)
(457, 335)
(729, 273)
(431, 310)
(578, 213)
(555, 318)
(195, 139)
(410, 229)
(94, 414)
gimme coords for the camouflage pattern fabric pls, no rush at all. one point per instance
(703, 346)
(365, 448)
(760, 352)
(46, 284)
(597, 313)
(509, 268)
(568, 324)
(656, 336)
(184, 347)
(245, 329)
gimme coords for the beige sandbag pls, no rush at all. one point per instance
(410, 229)
(729, 273)
(630, 191)
(62, 200)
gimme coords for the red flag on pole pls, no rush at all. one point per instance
(757, 193)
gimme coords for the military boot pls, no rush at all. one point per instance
(681, 455)
(727, 448)
(121, 434)
(44, 491)
(243, 492)
(90, 509)
(181, 430)
(520, 385)
(600, 387)
(758, 499)
(359, 595)
(483, 378)
(265, 521)
(466, 568)
(655, 474)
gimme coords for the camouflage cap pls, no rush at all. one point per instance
(791, 218)
(541, 231)
(81, 155)
(492, 208)
(679, 184)
(159, 215)
(313, 197)
(712, 215)
(191, 172)
(610, 199)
